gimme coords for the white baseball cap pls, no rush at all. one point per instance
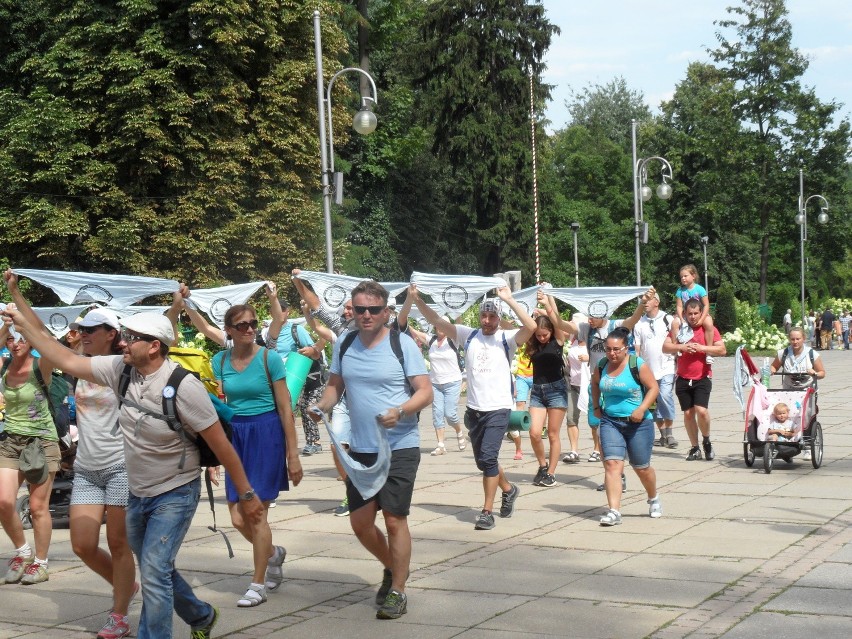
(96, 317)
(154, 325)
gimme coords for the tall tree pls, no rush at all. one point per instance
(474, 66)
(786, 124)
(608, 109)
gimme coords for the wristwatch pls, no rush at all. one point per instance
(247, 496)
(401, 412)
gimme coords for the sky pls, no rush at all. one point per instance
(651, 45)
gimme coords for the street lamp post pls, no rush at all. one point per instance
(642, 193)
(575, 226)
(364, 123)
(704, 240)
(802, 221)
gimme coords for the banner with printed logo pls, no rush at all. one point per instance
(600, 301)
(527, 298)
(331, 289)
(57, 319)
(114, 291)
(454, 294)
(215, 302)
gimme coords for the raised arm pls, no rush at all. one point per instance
(559, 334)
(174, 312)
(304, 291)
(527, 323)
(278, 314)
(21, 303)
(447, 328)
(631, 321)
(213, 333)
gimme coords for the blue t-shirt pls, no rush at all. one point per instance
(374, 383)
(695, 293)
(248, 392)
(285, 344)
(621, 394)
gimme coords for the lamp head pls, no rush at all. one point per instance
(365, 121)
(704, 239)
(822, 218)
(664, 191)
(800, 218)
(646, 193)
(575, 226)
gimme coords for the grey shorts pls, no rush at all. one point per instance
(107, 486)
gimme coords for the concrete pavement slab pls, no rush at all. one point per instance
(822, 601)
(663, 566)
(773, 624)
(640, 590)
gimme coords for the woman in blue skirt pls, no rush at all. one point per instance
(264, 438)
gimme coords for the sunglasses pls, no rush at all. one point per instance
(374, 310)
(243, 327)
(88, 330)
(131, 338)
(609, 349)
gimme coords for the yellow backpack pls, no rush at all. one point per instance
(197, 362)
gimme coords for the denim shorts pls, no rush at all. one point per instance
(665, 400)
(552, 395)
(523, 386)
(619, 436)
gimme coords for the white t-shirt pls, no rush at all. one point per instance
(792, 364)
(574, 369)
(151, 449)
(97, 413)
(649, 335)
(443, 363)
(489, 373)
(595, 341)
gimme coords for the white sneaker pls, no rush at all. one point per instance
(806, 454)
(655, 508)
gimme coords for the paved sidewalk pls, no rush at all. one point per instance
(738, 553)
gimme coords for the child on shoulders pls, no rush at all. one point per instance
(687, 291)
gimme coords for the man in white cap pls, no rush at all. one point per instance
(488, 356)
(163, 492)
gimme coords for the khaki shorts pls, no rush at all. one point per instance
(12, 447)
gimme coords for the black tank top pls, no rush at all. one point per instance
(547, 363)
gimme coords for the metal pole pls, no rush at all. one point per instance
(636, 216)
(802, 238)
(576, 262)
(324, 177)
(706, 280)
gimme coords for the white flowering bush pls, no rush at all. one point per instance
(753, 332)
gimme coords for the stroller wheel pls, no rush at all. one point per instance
(767, 457)
(816, 445)
(22, 507)
(748, 455)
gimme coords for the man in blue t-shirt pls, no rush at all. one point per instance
(387, 388)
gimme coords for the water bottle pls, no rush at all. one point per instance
(764, 372)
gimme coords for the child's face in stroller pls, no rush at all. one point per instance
(781, 413)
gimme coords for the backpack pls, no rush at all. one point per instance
(459, 357)
(198, 363)
(56, 394)
(170, 416)
(318, 373)
(396, 347)
(592, 334)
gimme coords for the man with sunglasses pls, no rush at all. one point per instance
(163, 492)
(389, 390)
(488, 357)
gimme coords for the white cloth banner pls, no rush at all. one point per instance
(597, 301)
(114, 291)
(215, 302)
(585, 380)
(454, 294)
(332, 289)
(395, 288)
(127, 311)
(527, 298)
(57, 319)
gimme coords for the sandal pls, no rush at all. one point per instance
(255, 595)
(274, 569)
(462, 442)
(570, 458)
(594, 457)
(440, 450)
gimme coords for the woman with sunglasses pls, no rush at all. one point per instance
(27, 418)
(100, 474)
(622, 403)
(264, 437)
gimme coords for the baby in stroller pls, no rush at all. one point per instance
(781, 427)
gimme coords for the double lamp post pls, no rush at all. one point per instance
(802, 221)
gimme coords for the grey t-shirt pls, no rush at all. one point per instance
(151, 449)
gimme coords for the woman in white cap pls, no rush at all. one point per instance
(100, 474)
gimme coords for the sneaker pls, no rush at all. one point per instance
(255, 595)
(485, 521)
(548, 481)
(439, 450)
(671, 442)
(806, 455)
(518, 455)
(116, 626)
(611, 518)
(384, 589)
(708, 450)
(308, 450)
(17, 566)
(507, 504)
(274, 568)
(655, 508)
(206, 631)
(273, 504)
(542, 471)
(594, 456)
(694, 453)
(343, 509)
(570, 458)
(395, 605)
(661, 441)
(34, 574)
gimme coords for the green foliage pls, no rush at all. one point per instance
(780, 299)
(753, 332)
(725, 317)
(606, 110)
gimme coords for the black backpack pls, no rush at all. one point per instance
(396, 346)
